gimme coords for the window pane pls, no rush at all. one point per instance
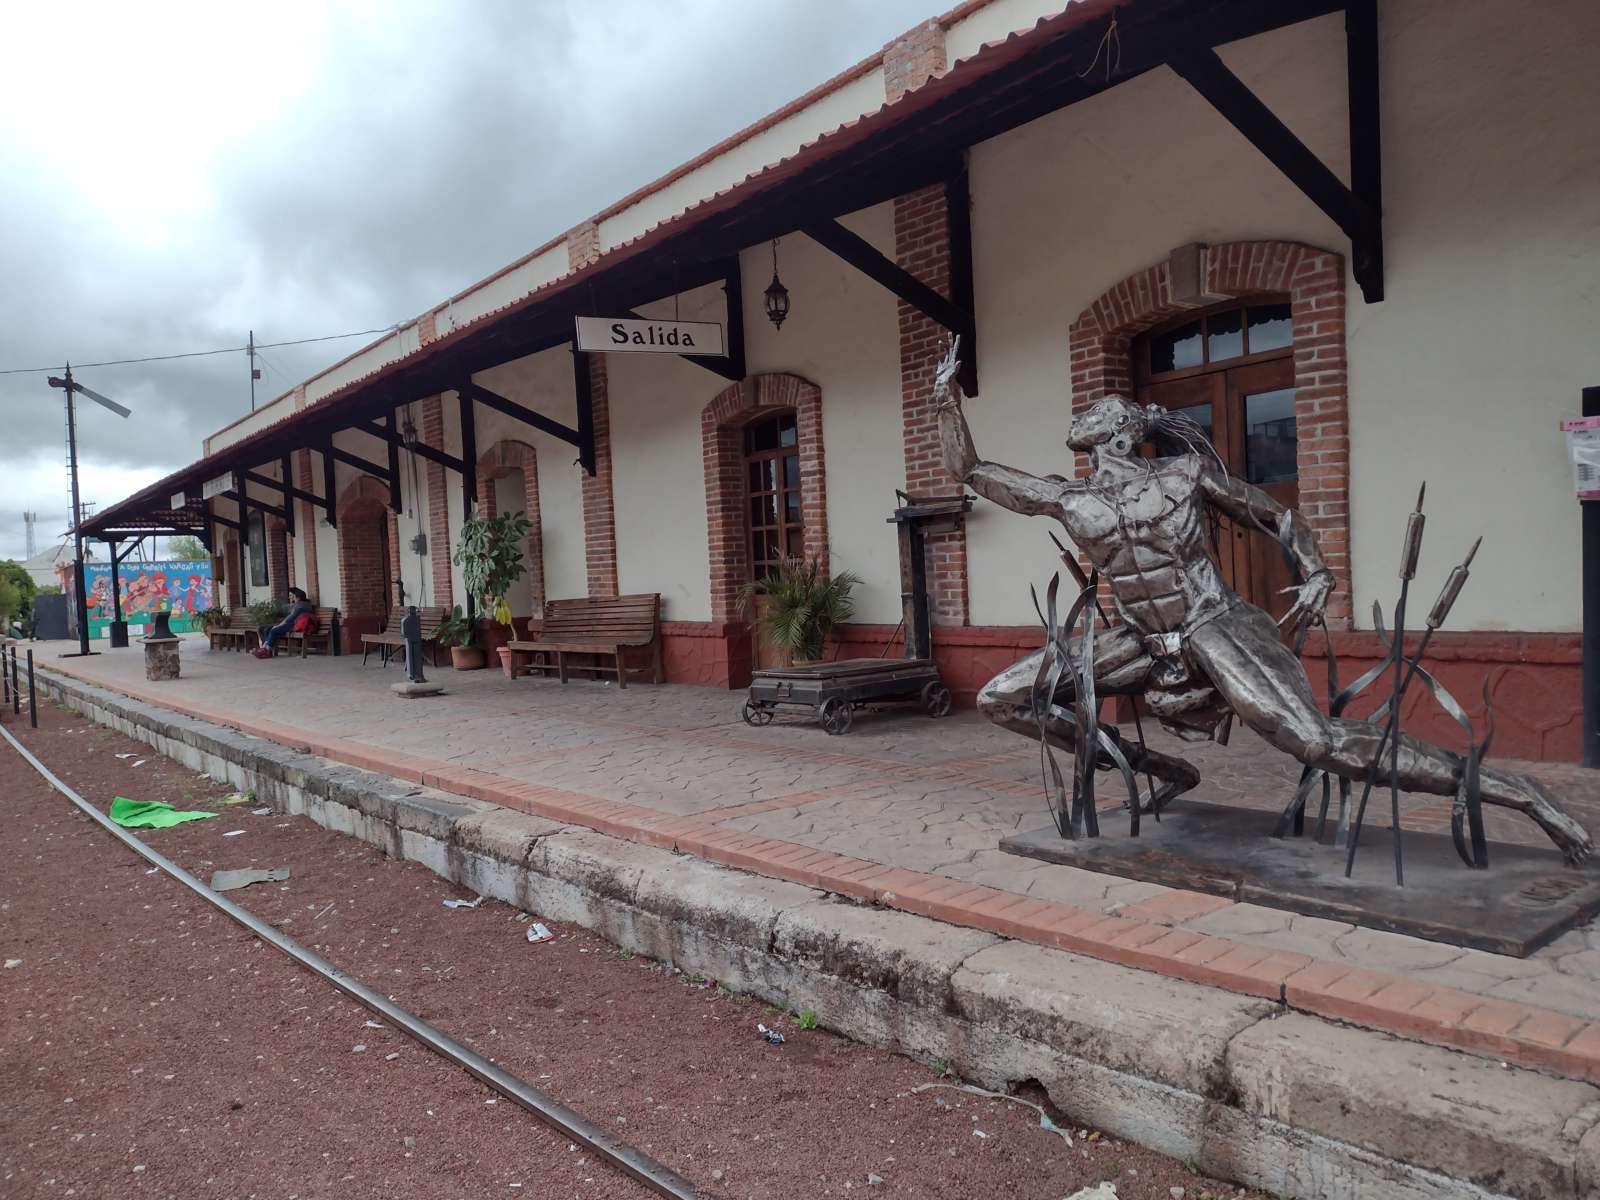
(1224, 335)
(763, 511)
(1176, 350)
(786, 430)
(791, 507)
(1270, 327)
(1269, 449)
(760, 547)
(1167, 445)
(761, 436)
(791, 471)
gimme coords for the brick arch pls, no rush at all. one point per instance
(365, 590)
(722, 425)
(1101, 337)
(498, 461)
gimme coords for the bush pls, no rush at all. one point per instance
(266, 612)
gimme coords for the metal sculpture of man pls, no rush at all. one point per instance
(1187, 643)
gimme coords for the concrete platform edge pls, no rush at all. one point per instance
(1241, 1087)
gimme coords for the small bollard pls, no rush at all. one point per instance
(161, 650)
(33, 703)
(416, 683)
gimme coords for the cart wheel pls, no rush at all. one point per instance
(936, 699)
(835, 715)
(755, 714)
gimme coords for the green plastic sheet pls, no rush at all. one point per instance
(151, 814)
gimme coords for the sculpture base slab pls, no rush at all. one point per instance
(412, 691)
(1526, 898)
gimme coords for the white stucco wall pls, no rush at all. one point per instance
(861, 95)
(841, 335)
(993, 22)
(267, 414)
(1491, 173)
(542, 382)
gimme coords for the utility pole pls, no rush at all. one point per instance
(81, 601)
(255, 371)
(28, 519)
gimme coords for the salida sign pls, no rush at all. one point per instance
(630, 335)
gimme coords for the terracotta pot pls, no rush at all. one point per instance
(507, 661)
(466, 658)
(492, 635)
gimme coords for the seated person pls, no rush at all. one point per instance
(300, 616)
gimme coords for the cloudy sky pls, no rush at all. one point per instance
(172, 176)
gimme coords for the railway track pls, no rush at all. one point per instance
(621, 1156)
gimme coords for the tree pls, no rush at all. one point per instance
(16, 591)
(10, 604)
(185, 548)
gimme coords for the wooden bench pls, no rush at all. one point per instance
(324, 635)
(240, 632)
(389, 640)
(616, 629)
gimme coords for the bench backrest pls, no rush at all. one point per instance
(239, 618)
(626, 620)
(430, 617)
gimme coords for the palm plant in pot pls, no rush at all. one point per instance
(457, 632)
(489, 554)
(799, 606)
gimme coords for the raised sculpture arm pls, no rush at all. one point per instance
(1006, 486)
(1250, 506)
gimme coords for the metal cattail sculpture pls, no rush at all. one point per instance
(1467, 808)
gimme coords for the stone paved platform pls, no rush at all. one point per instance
(903, 811)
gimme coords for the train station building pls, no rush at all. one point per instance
(1358, 243)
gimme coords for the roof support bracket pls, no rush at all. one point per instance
(292, 491)
(583, 395)
(380, 473)
(329, 487)
(517, 412)
(1358, 215)
(864, 257)
(732, 366)
(386, 433)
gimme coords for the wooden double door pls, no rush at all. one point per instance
(1248, 413)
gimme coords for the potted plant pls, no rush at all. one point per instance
(457, 632)
(210, 618)
(799, 606)
(490, 555)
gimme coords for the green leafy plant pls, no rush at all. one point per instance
(456, 630)
(489, 552)
(212, 616)
(266, 612)
(17, 590)
(185, 549)
(802, 606)
(807, 1018)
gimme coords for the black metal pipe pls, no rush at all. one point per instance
(33, 703)
(1591, 610)
(16, 692)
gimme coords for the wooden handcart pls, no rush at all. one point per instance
(835, 690)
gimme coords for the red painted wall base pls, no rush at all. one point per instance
(1533, 679)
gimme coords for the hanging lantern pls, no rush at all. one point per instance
(777, 295)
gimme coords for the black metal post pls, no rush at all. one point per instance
(469, 466)
(33, 703)
(1591, 610)
(80, 600)
(5, 679)
(16, 689)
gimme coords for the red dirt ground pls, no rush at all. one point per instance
(150, 1046)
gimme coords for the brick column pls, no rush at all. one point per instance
(599, 508)
(438, 504)
(922, 247)
(309, 515)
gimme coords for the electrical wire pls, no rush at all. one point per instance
(120, 362)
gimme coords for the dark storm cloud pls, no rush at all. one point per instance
(416, 163)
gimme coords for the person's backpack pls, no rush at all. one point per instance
(304, 623)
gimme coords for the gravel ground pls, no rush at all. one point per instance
(149, 1046)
